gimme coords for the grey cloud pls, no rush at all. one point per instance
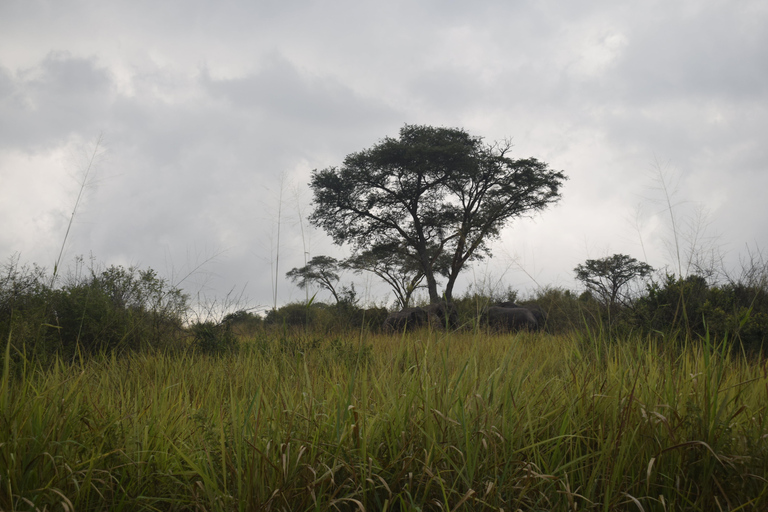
(43, 105)
(696, 58)
(70, 77)
(281, 93)
(7, 85)
(204, 171)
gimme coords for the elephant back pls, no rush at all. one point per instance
(510, 319)
(408, 318)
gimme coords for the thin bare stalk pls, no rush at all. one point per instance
(83, 184)
(305, 250)
(671, 211)
(277, 248)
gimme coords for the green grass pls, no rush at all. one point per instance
(425, 421)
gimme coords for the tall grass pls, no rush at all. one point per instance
(422, 421)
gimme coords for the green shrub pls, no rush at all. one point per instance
(99, 310)
(296, 315)
(117, 308)
(244, 323)
(321, 317)
(564, 310)
(213, 338)
(673, 305)
(734, 311)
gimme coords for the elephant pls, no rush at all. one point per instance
(443, 315)
(538, 314)
(508, 304)
(409, 318)
(437, 315)
(510, 319)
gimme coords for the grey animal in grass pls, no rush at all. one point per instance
(538, 313)
(408, 318)
(438, 315)
(443, 315)
(511, 319)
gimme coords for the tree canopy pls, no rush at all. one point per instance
(440, 194)
(321, 270)
(391, 264)
(607, 276)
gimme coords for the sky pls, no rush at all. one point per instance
(189, 130)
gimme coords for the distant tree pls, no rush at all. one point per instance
(321, 270)
(348, 296)
(391, 264)
(439, 193)
(606, 277)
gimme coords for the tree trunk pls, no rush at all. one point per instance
(432, 287)
(426, 266)
(449, 287)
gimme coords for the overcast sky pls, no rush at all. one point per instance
(208, 110)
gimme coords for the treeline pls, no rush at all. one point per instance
(119, 309)
(670, 308)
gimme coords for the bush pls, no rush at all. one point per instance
(321, 317)
(565, 311)
(297, 315)
(735, 311)
(24, 299)
(213, 338)
(117, 308)
(673, 305)
(244, 323)
(371, 319)
(113, 309)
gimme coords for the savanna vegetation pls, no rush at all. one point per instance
(644, 391)
(295, 419)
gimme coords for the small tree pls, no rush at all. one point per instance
(607, 277)
(389, 262)
(321, 270)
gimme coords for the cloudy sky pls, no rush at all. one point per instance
(206, 118)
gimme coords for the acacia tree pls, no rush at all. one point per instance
(320, 270)
(390, 263)
(607, 276)
(439, 193)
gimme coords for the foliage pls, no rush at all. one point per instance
(608, 277)
(115, 308)
(24, 297)
(321, 270)
(439, 194)
(212, 338)
(296, 314)
(325, 318)
(391, 263)
(244, 323)
(733, 311)
(674, 304)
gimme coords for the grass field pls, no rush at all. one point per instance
(424, 421)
